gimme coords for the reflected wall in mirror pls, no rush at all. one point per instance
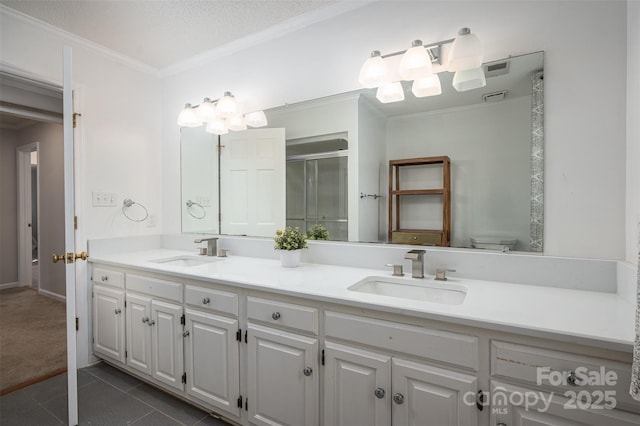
(493, 136)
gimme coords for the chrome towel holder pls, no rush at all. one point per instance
(127, 203)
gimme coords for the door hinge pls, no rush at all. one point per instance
(183, 320)
(184, 377)
(480, 400)
(126, 354)
(75, 222)
(240, 401)
(75, 119)
(246, 340)
(125, 303)
(246, 404)
(219, 217)
(93, 340)
(77, 324)
(322, 357)
(239, 335)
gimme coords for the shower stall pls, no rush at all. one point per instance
(317, 183)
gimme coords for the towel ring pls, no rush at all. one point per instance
(128, 202)
(193, 214)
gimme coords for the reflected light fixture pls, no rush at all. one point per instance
(464, 58)
(220, 115)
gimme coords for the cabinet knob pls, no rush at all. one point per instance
(151, 322)
(398, 398)
(501, 424)
(307, 371)
(275, 315)
(118, 310)
(104, 278)
(205, 301)
(185, 333)
(573, 379)
(145, 319)
(379, 393)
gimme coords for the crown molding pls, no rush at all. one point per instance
(77, 40)
(271, 33)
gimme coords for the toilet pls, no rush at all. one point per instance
(493, 242)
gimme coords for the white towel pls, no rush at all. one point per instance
(635, 367)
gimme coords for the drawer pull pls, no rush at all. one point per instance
(118, 310)
(104, 278)
(185, 333)
(275, 316)
(307, 371)
(398, 398)
(573, 380)
(151, 322)
(205, 301)
(379, 393)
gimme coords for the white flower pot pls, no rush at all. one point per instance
(290, 258)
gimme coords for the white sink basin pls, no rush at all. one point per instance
(419, 289)
(187, 261)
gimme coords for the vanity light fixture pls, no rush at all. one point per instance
(464, 58)
(220, 116)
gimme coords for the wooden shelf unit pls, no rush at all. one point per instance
(439, 237)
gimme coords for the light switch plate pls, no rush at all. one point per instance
(103, 199)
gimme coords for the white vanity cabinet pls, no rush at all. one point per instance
(154, 329)
(212, 348)
(108, 314)
(372, 387)
(282, 366)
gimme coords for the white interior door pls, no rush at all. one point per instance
(69, 236)
(253, 186)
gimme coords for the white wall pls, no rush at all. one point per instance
(633, 131)
(8, 209)
(120, 123)
(489, 146)
(585, 131)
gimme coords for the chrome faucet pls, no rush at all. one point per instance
(417, 262)
(212, 244)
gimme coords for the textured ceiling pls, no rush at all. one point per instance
(161, 33)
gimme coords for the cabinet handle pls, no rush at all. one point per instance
(205, 301)
(398, 398)
(145, 319)
(151, 322)
(118, 310)
(275, 315)
(104, 278)
(307, 371)
(573, 380)
(379, 393)
(501, 424)
(185, 333)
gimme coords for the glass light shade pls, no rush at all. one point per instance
(466, 52)
(391, 92)
(469, 79)
(415, 63)
(236, 123)
(218, 126)
(188, 117)
(428, 86)
(227, 105)
(206, 111)
(256, 119)
(374, 72)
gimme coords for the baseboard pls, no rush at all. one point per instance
(52, 295)
(9, 285)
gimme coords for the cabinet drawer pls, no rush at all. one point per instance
(427, 238)
(284, 314)
(211, 300)
(155, 287)
(552, 369)
(453, 348)
(108, 277)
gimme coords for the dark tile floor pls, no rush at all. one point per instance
(106, 396)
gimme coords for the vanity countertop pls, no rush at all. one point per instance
(584, 317)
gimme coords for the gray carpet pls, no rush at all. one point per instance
(32, 337)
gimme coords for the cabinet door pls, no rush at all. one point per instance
(139, 332)
(211, 360)
(283, 377)
(427, 395)
(357, 387)
(108, 322)
(166, 343)
(518, 406)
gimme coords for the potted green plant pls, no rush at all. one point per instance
(318, 232)
(290, 242)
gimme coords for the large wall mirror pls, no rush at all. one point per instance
(338, 149)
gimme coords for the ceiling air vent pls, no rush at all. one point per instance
(496, 68)
(494, 96)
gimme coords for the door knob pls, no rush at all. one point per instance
(69, 257)
(58, 257)
(82, 256)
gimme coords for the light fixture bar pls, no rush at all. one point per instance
(434, 50)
